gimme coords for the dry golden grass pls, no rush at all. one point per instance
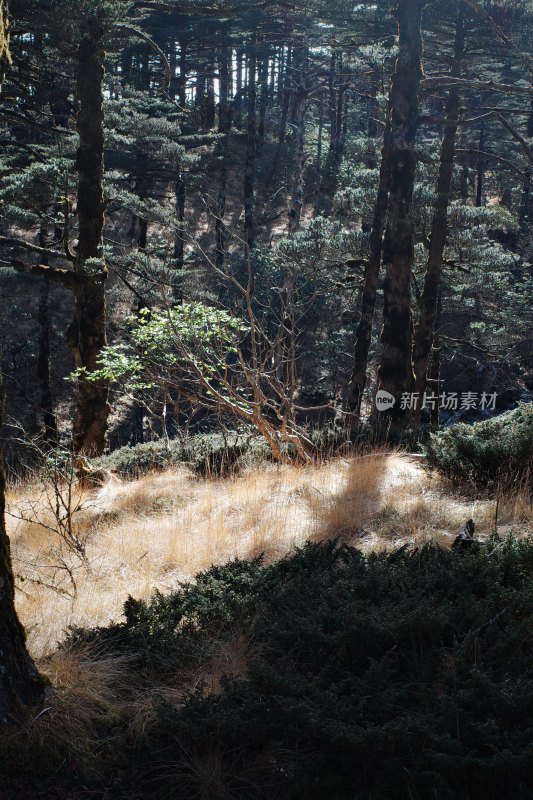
(87, 689)
(163, 528)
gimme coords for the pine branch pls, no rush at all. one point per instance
(434, 81)
(65, 277)
(44, 251)
(519, 138)
(472, 151)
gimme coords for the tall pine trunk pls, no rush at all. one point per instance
(395, 370)
(263, 96)
(224, 126)
(251, 148)
(43, 365)
(480, 170)
(20, 683)
(363, 336)
(179, 238)
(337, 106)
(43, 355)
(300, 108)
(86, 335)
(425, 329)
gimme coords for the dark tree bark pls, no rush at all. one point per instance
(286, 92)
(263, 97)
(200, 98)
(86, 335)
(337, 106)
(43, 365)
(5, 57)
(524, 213)
(425, 329)
(363, 334)
(179, 239)
(318, 164)
(395, 370)
(251, 148)
(238, 88)
(301, 97)
(182, 81)
(20, 682)
(480, 172)
(43, 355)
(224, 127)
(210, 106)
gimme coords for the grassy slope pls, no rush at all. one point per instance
(163, 528)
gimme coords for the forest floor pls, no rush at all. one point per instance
(102, 715)
(160, 530)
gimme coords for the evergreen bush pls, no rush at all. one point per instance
(390, 676)
(208, 454)
(485, 453)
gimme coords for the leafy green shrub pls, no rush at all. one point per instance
(484, 453)
(390, 676)
(207, 454)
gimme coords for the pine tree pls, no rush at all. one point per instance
(20, 682)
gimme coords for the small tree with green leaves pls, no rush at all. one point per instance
(203, 356)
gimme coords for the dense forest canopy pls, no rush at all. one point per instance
(350, 183)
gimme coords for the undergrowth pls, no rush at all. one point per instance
(482, 455)
(403, 676)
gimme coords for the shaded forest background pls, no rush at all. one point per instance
(254, 154)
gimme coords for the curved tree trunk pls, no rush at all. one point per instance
(395, 369)
(425, 329)
(86, 335)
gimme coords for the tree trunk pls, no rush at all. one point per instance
(182, 81)
(251, 149)
(43, 365)
(297, 199)
(480, 168)
(224, 126)
(395, 369)
(210, 106)
(5, 57)
(425, 329)
(179, 239)
(20, 683)
(263, 97)
(363, 336)
(318, 164)
(337, 117)
(43, 354)
(238, 88)
(86, 335)
(285, 97)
